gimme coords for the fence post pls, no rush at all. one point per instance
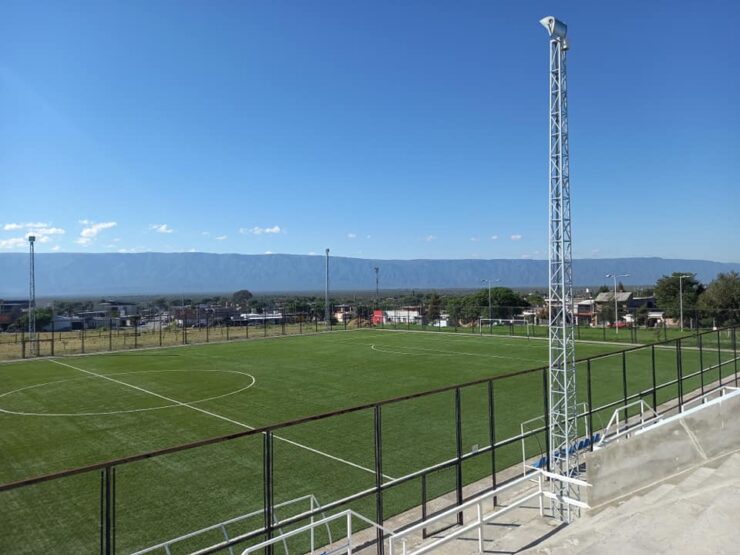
(52, 334)
(655, 385)
(136, 332)
(83, 337)
(590, 405)
(458, 451)
(267, 468)
(23, 345)
(700, 340)
(546, 400)
(734, 351)
(679, 374)
(160, 329)
(378, 442)
(492, 435)
(107, 510)
(624, 380)
(719, 357)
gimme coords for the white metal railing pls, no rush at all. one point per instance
(614, 427)
(710, 396)
(399, 538)
(347, 546)
(482, 519)
(223, 528)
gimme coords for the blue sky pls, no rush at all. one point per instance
(378, 129)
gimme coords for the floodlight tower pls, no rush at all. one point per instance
(563, 430)
(32, 294)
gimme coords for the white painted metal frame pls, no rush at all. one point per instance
(615, 429)
(222, 527)
(482, 518)
(346, 516)
(562, 375)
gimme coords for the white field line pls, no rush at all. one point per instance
(214, 415)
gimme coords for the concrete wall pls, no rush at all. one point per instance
(673, 445)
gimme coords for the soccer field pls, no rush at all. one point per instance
(61, 413)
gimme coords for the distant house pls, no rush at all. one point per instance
(406, 315)
(343, 313)
(64, 323)
(117, 308)
(586, 312)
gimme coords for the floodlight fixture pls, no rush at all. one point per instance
(556, 28)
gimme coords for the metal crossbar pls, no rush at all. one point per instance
(222, 527)
(346, 515)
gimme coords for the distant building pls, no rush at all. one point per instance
(10, 311)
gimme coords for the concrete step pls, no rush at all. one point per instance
(690, 482)
(527, 534)
(656, 494)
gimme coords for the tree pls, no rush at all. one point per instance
(620, 287)
(667, 294)
(603, 289)
(433, 309)
(242, 297)
(606, 313)
(722, 299)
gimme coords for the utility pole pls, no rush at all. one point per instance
(616, 306)
(327, 316)
(680, 295)
(563, 429)
(377, 281)
(32, 296)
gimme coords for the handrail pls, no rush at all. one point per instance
(347, 514)
(482, 519)
(614, 421)
(166, 545)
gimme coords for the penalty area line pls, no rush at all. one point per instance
(214, 415)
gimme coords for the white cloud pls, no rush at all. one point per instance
(55, 248)
(161, 228)
(429, 238)
(351, 236)
(257, 230)
(595, 252)
(13, 243)
(268, 252)
(312, 253)
(516, 237)
(494, 237)
(368, 237)
(27, 225)
(526, 256)
(220, 237)
(88, 234)
(205, 233)
(474, 239)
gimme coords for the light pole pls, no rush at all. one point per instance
(616, 306)
(680, 295)
(377, 278)
(327, 316)
(490, 311)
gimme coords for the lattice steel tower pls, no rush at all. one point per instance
(32, 297)
(563, 430)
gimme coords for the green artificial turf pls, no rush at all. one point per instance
(83, 410)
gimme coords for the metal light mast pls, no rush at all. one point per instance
(32, 295)
(563, 431)
(327, 315)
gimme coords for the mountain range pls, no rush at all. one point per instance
(85, 274)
